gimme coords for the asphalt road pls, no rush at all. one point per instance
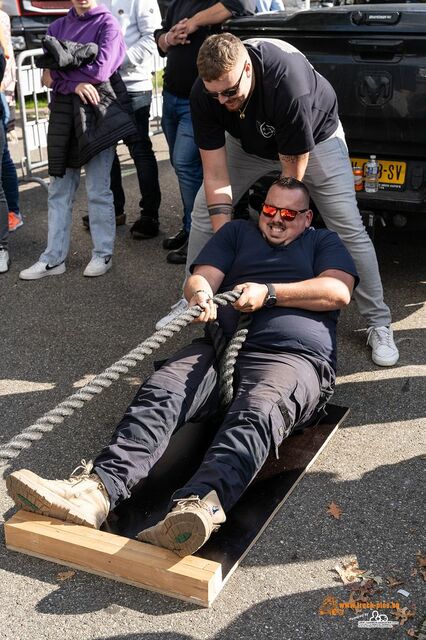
(58, 331)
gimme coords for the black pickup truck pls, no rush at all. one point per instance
(374, 55)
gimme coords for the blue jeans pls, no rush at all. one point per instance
(100, 205)
(4, 211)
(184, 153)
(10, 181)
(144, 159)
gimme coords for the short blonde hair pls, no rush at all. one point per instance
(218, 55)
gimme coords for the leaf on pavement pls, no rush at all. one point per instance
(349, 572)
(403, 614)
(368, 577)
(412, 633)
(392, 582)
(65, 575)
(421, 561)
(334, 510)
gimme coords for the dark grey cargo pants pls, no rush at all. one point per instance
(273, 394)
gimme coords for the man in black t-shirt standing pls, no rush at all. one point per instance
(260, 106)
(185, 27)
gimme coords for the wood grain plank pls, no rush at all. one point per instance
(117, 557)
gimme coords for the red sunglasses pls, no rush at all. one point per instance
(270, 211)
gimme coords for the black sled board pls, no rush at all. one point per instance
(255, 509)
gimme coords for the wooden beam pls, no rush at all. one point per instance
(111, 556)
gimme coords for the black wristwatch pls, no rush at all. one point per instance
(271, 297)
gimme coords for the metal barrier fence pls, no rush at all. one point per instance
(35, 119)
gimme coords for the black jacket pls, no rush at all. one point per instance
(77, 132)
(61, 55)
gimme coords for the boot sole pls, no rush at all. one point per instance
(27, 493)
(136, 235)
(183, 533)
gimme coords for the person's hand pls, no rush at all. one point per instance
(87, 93)
(46, 78)
(178, 34)
(209, 308)
(190, 26)
(252, 297)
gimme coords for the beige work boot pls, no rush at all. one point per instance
(188, 525)
(82, 499)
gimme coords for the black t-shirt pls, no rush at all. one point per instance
(291, 109)
(181, 70)
(239, 250)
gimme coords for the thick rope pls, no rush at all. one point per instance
(55, 416)
(228, 360)
(226, 354)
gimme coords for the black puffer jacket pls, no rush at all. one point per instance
(61, 55)
(77, 132)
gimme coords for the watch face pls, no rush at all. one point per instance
(271, 301)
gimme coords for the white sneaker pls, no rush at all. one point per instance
(384, 350)
(4, 260)
(175, 311)
(41, 270)
(97, 267)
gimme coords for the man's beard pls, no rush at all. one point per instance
(235, 105)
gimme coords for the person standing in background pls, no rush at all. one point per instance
(9, 175)
(86, 122)
(4, 222)
(138, 19)
(185, 27)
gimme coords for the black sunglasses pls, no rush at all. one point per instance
(227, 93)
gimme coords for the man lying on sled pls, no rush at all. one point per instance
(293, 279)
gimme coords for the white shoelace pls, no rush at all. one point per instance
(382, 334)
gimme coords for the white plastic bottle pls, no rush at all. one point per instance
(371, 180)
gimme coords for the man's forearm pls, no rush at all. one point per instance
(216, 14)
(217, 186)
(195, 284)
(294, 166)
(220, 214)
(323, 293)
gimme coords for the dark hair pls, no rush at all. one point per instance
(291, 183)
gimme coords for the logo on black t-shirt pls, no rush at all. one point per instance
(266, 130)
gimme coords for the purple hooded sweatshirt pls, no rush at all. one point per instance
(96, 25)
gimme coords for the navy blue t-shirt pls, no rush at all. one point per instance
(239, 250)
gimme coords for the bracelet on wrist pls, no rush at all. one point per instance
(166, 40)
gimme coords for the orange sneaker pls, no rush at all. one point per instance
(15, 221)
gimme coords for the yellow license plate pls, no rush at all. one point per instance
(391, 172)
